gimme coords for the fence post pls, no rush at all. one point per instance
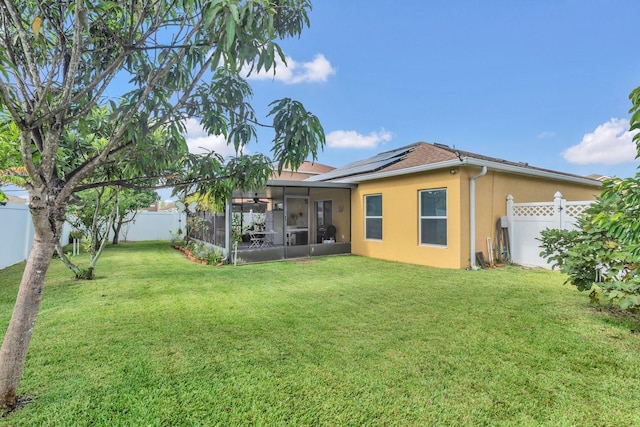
(558, 208)
(510, 223)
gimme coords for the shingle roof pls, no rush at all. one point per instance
(372, 164)
(419, 154)
(307, 169)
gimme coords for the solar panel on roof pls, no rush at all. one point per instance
(372, 164)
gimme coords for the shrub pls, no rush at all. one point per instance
(603, 255)
(177, 237)
(203, 252)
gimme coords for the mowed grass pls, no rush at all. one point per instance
(157, 340)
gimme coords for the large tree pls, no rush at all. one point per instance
(154, 63)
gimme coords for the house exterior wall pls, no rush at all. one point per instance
(400, 220)
(492, 191)
(400, 212)
(340, 211)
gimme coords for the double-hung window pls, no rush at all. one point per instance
(433, 217)
(373, 217)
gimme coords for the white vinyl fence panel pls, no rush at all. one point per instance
(17, 234)
(152, 226)
(528, 220)
(17, 231)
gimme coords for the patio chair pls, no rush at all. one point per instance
(330, 234)
(256, 241)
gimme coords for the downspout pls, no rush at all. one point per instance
(472, 217)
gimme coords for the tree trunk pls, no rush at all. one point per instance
(98, 242)
(13, 353)
(66, 261)
(117, 227)
(117, 224)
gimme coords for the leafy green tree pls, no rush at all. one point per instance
(10, 162)
(149, 66)
(96, 211)
(603, 255)
(92, 213)
(129, 201)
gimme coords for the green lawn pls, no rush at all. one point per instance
(158, 340)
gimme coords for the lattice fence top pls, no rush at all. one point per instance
(538, 210)
(574, 210)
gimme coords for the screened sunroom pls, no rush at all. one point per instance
(286, 219)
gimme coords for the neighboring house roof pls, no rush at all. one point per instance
(598, 177)
(162, 206)
(422, 156)
(306, 170)
(13, 200)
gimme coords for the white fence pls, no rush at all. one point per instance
(527, 220)
(17, 234)
(17, 230)
(152, 226)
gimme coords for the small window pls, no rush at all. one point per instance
(373, 217)
(433, 217)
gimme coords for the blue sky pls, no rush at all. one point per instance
(544, 82)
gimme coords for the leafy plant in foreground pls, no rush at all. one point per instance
(602, 256)
(63, 62)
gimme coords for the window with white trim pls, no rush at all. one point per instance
(433, 217)
(373, 217)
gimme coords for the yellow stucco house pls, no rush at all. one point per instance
(433, 205)
(424, 203)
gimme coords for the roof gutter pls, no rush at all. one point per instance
(470, 161)
(472, 217)
(310, 184)
(522, 170)
(422, 168)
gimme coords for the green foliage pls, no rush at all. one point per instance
(236, 227)
(206, 203)
(10, 162)
(128, 202)
(62, 68)
(90, 211)
(294, 126)
(604, 254)
(9, 142)
(196, 226)
(555, 245)
(177, 237)
(136, 138)
(634, 122)
(203, 252)
(214, 257)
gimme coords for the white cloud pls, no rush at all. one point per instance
(352, 139)
(199, 142)
(610, 144)
(546, 135)
(317, 70)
